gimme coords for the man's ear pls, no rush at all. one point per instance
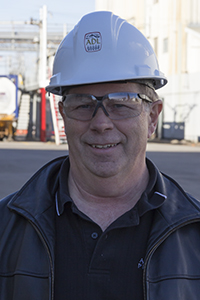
(61, 109)
(155, 110)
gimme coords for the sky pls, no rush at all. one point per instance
(59, 11)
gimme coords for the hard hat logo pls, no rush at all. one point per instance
(93, 41)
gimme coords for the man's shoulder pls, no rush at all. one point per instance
(5, 212)
(179, 204)
(46, 175)
(5, 200)
(175, 189)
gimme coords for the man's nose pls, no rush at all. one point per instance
(101, 121)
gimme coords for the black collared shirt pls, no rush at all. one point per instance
(91, 264)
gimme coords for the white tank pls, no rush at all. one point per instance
(7, 96)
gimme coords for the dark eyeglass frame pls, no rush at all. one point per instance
(99, 100)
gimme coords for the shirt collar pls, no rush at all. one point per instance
(151, 198)
(62, 195)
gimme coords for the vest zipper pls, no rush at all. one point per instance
(156, 245)
(49, 254)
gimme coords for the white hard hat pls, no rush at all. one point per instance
(102, 47)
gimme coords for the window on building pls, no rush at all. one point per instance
(165, 45)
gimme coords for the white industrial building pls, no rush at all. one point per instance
(173, 29)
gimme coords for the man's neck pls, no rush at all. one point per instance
(110, 200)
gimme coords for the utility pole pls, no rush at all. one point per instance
(43, 69)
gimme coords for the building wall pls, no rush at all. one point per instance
(173, 29)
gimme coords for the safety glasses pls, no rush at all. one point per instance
(116, 106)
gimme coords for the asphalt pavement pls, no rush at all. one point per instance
(20, 160)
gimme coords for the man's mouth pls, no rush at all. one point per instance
(104, 146)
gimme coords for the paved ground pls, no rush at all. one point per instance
(182, 162)
(19, 160)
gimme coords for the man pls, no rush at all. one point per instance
(103, 223)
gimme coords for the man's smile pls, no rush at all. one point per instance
(104, 146)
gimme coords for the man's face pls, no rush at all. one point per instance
(103, 147)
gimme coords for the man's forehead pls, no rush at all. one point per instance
(101, 89)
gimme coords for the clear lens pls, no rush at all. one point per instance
(123, 105)
(117, 105)
(80, 106)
